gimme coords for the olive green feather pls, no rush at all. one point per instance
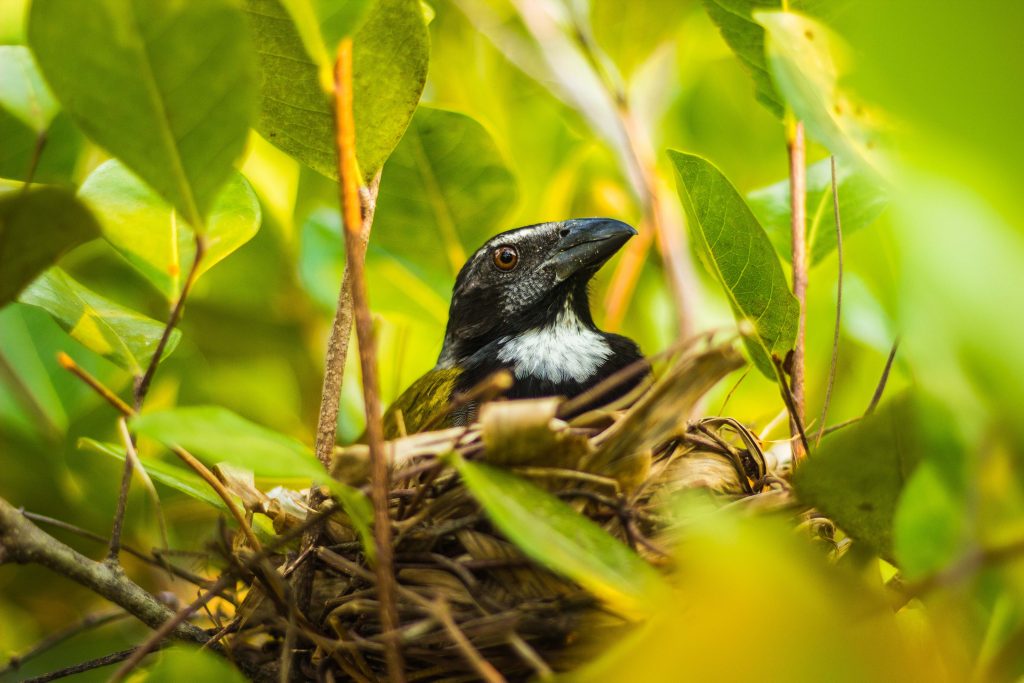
(421, 405)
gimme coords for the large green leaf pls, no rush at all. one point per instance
(857, 476)
(177, 478)
(167, 87)
(184, 663)
(445, 190)
(807, 62)
(741, 257)
(558, 537)
(861, 200)
(119, 334)
(630, 32)
(390, 55)
(37, 226)
(22, 90)
(146, 231)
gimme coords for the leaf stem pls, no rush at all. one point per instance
(839, 309)
(798, 229)
(355, 248)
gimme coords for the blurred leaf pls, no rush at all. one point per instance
(215, 434)
(861, 201)
(57, 154)
(807, 61)
(22, 90)
(183, 663)
(119, 334)
(145, 230)
(555, 535)
(177, 478)
(389, 61)
(445, 190)
(169, 88)
(631, 32)
(741, 258)
(859, 473)
(37, 225)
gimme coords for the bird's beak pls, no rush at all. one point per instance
(586, 243)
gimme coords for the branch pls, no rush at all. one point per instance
(348, 172)
(798, 229)
(23, 542)
(51, 641)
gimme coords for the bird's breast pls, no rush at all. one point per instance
(557, 353)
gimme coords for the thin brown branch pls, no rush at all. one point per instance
(89, 665)
(51, 641)
(68, 363)
(795, 420)
(798, 230)
(884, 379)
(348, 172)
(23, 542)
(484, 669)
(208, 476)
(839, 310)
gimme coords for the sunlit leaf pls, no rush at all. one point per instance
(740, 256)
(215, 434)
(861, 200)
(390, 53)
(115, 332)
(169, 88)
(181, 663)
(445, 190)
(857, 476)
(555, 535)
(22, 90)
(36, 227)
(145, 230)
(807, 61)
(631, 32)
(173, 476)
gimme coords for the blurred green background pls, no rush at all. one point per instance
(940, 266)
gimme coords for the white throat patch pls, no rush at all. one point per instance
(559, 352)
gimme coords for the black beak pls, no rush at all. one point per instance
(586, 243)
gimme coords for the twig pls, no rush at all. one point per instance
(798, 230)
(142, 385)
(794, 417)
(486, 670)
(348, 172)
(839, 310)
(97, 663)
(721, 411)
(51, 641)
(33, 164)
(68, 363)
(884, 379)
(208, 476)
(21, 541)
(165, 629)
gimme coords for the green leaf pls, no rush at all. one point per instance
(215, 435)
(741, 257)
(630, 32)
(861, 201)
(555, 535)
(858, 474)
(22, 90)
(36, 227)
(177, 478)
(167, 87)
(807, 62)
(448, 179)
(183, 663)
(119, 334)
(390, 55)
(145, 230)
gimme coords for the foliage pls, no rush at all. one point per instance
(141, 136)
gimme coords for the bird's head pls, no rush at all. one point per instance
(523, 279)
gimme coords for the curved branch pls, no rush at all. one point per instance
(23, 542)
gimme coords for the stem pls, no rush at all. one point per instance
(348, 172)
(839, 309)
(884, 379)
(97, 663)
(24, 542)
(798, 229)
(51, 641)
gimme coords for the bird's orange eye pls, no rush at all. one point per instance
(506, 258)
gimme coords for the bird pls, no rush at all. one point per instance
(520, 304)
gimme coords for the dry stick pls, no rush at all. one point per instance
(66, 362)
(839, 310)
(798, 229)
(484, 669)
(348, 172)
(21, 541)
(794, 417)
(51, 641)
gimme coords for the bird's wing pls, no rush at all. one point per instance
(419, 405)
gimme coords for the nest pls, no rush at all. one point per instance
(467, 597)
